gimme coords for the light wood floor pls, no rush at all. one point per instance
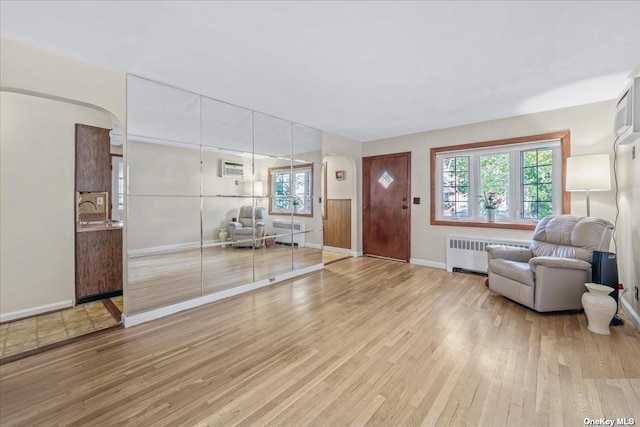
(162, 279)
(365, 341)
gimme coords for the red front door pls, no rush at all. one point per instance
(386, 208)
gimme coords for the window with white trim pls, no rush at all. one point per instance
(523, 181)
(291, 190)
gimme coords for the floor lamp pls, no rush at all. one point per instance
(589, 173)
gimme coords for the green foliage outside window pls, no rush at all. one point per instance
(455, 183)
(494, 178)
(537, 187)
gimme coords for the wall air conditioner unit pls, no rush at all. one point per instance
(626, 125)
(231, 169)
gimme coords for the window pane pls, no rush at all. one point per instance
(544, 209)
(544, 174)
(545, 192)
(537, 179)
(455, 186)
(529, 192)
(529, 158)
(544, 156)
(462, 164)
(529, 175)
(462, 178)
(494, 178)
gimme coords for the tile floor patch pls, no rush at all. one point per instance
(28, 334)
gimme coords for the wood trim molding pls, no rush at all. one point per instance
(324, 189)
(565, 147)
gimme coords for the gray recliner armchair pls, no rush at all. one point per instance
(250, 226)
(550, 275)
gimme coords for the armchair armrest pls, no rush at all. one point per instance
(509, 253)
(556, 262)
(234, 224)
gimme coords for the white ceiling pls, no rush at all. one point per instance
(363, 70)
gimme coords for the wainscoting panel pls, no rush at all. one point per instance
(337, 226)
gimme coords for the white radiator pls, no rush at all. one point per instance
(469, 253)
(283, 230)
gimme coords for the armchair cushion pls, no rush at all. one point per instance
(555, 262)
(568, 236)
(514, 270)
(509, 253)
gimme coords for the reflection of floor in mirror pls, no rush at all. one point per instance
(162, 279)
(21, 338)
(329, 257)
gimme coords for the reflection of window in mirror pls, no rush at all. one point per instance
(117, 187)
(291, 190)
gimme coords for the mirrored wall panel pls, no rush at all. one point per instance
(163, 246)
(163, 113)
(219, 196)
(307, 156)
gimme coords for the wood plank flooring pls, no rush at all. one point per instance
(162, 279)
(363, 342)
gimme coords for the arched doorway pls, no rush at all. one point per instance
(340, 210)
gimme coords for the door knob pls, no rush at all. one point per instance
(405, 207)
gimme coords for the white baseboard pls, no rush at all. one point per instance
(313, 246)
(147, 316)
(338, 250)
(426, 263)
(166, 248)
(14, 315)
(630, 312)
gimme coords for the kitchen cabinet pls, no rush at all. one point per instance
(98, 262)
(93, 159)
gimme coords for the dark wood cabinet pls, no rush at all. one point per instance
(98, 263)
(93, 159)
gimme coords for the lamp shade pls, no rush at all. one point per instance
(592, 173)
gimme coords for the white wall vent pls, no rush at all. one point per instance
(469, 253)
(231, 169)
(284, 230)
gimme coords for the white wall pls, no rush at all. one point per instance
(31, 70)
(591, 133)
(37, 201)
(340, 189)
(628, 230)
(28, 69)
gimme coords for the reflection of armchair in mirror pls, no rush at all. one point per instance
(250, 225)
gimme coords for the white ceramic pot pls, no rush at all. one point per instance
(491, 215)
(223, 236)
(599, 307)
